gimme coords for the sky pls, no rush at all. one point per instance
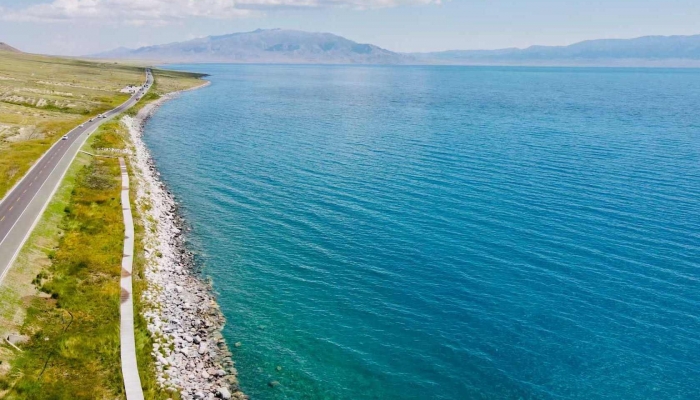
(81, 27)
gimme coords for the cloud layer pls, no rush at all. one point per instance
(164, 11)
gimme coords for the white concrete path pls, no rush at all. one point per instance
(132, 381)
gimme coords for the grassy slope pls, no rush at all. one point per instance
(79, 252)
(74, 346)
(18, 289)
(42, 98)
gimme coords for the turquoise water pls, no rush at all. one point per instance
(446, 232)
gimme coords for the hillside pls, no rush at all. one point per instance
(264, 46)
(7, 47)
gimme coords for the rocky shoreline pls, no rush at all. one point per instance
(191, 355)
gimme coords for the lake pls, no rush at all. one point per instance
(446, 232)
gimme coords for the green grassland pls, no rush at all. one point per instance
(74, 347)
(72, 314)
(63, 290)
(42, 98)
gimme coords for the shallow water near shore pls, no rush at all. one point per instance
(446, 232)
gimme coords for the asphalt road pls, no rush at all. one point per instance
(22, 207)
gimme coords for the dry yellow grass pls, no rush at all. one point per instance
(42, 98)
(35, 127)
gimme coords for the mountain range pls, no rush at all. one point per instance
(643, 51)
(299, 47)
(264, 46)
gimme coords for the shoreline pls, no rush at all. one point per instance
(190, 354)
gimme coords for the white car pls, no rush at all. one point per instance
(65, 137)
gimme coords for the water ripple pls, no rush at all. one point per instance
(447, 233)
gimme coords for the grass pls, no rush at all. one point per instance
(110, 136)
(42, 98)
(167, 82)
(114, 135)
(63, 290)
(73, 352)
(18, 289)
(172, 81)
(80, 313)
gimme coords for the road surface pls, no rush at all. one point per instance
(22, 207)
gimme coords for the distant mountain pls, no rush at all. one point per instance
(643, 51)
(298, 47)
(264, 46)
(7, 47)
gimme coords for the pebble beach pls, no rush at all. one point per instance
(191, 356)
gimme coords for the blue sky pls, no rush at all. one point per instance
(77, 27)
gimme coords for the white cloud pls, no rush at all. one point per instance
(164, 11)
(127, 11)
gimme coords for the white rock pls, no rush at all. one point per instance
(178, 304)
(224, 393)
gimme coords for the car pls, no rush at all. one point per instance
(65, 137)
(82, 125)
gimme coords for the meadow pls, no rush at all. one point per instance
(62, 293)
(42, 98)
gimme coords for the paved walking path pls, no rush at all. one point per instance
(132, 381)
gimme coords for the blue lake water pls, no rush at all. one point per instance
(446, 232)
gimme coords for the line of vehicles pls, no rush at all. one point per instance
(142, 91)
(100, 116)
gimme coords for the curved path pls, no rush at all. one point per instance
(132, 381)
(23, 205)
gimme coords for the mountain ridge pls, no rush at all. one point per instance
(300, 47)
(648, 48)
(263, 46)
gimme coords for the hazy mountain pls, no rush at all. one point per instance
(265, 46)
(7, 47)
(643, 51)
(289, 46)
